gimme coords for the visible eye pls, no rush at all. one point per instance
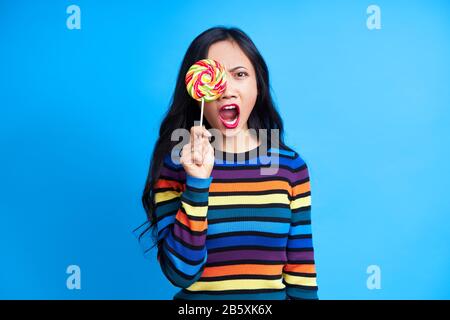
(241, 74)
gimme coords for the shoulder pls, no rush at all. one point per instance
(289, 157)
(297, 170)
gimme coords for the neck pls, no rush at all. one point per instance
(243, 141)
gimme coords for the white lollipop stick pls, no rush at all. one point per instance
(201, 112)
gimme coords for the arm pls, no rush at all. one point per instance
(299, 274)
(181, 211)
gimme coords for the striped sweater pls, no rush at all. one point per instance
(240, 234)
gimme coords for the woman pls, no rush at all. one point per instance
(224, 227)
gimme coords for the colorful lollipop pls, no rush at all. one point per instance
(206, 81)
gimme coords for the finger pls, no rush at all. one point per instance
(197, 131)
(193, 137)
(206, 133)
(209, 154)
(206, 147)
(186, 157)
(197, 157)
(196, 145)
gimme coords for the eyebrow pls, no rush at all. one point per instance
(235, 68)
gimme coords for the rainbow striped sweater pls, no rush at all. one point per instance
(240, 234)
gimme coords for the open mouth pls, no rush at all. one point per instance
(229, 115)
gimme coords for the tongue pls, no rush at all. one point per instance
(228, 114)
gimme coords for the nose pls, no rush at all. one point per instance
(230, 91)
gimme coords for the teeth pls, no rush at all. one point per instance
(229, 107)
(231, 122)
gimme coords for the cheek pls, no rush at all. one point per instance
(210, 113)
(249, 95)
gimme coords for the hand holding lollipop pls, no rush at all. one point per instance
(205, 81)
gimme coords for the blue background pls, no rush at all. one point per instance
(368, 110)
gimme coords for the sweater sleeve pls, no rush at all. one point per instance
(181, 211)
(299, 274)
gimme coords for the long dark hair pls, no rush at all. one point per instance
(183, 110)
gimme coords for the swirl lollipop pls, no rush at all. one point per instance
(206, 81)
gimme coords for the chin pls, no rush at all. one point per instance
(230, 132)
